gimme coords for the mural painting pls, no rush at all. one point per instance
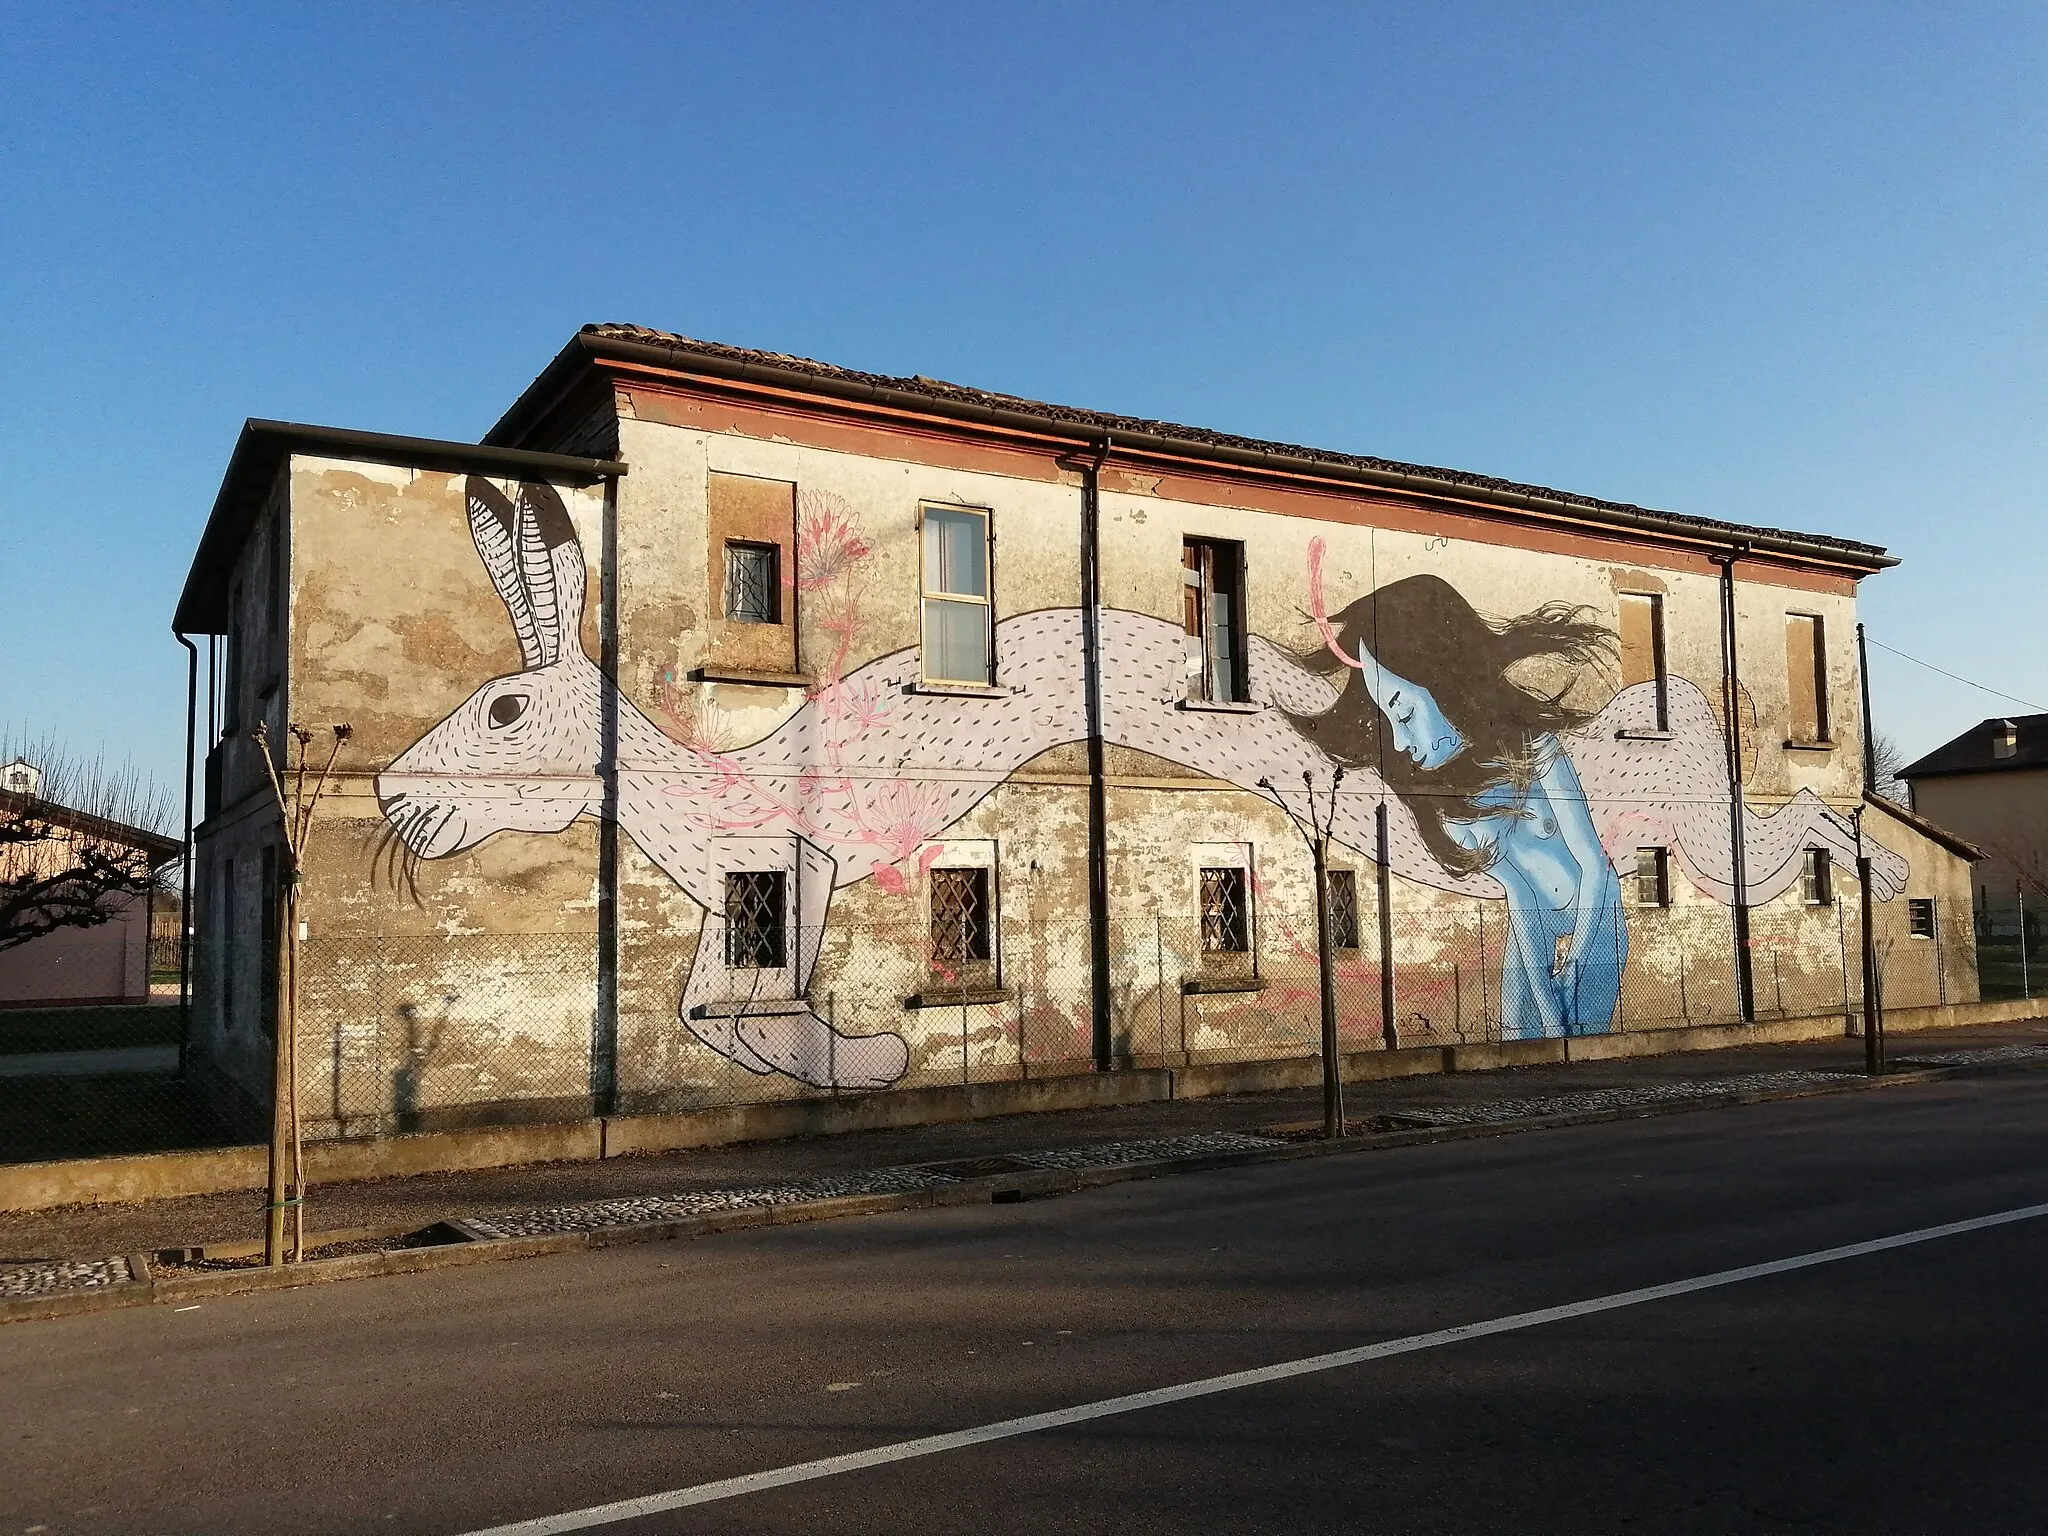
(1494, 790)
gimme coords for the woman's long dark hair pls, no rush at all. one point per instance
(1423, 630)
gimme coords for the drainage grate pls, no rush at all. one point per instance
(980, 1167)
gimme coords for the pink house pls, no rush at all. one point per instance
(105, 963)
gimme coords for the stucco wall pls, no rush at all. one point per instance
(462, 936)
(2005, 814)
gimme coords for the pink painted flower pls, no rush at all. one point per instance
(828, 540)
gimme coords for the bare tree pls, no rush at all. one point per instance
(1886, 761)
(81, 845)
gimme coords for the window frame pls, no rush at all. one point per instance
(1659, 875)
(928, 595)
(1816, 878)
(1198, 600)
(1917, 908)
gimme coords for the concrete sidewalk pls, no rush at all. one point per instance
(76, 1232)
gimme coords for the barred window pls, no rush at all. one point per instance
(1343, 908)
(754, 919)
(962, 925)
(1653, 877)
(1920, 916)
(1226, 912)
(1817, 879)
(753, 583)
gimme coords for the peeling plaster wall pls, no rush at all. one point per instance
(468, 984)
(430, 985)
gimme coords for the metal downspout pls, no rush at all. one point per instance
(1098, 791)
(604, 1040)
(1731, 710)
(1873, 1010)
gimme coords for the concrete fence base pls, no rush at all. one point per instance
(166, 1175)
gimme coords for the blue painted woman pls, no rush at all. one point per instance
(1478, 759)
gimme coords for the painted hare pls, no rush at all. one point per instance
(870, 770)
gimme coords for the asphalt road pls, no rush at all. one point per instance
(1896, 1391)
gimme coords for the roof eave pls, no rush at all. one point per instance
(1931, 830)
(587, 347)
(265, 446)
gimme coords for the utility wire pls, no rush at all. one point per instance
(1998, 693)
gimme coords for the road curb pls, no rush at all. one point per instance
(148, 1289)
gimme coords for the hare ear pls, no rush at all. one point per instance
(493, 523)
(551, 568)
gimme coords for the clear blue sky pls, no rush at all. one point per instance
(1776, 263)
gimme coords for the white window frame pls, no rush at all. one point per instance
(986, 599)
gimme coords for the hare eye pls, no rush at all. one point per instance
(507, 707)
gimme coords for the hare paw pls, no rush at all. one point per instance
(721, 1035)
(805, 1047)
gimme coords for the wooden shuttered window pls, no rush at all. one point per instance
(752, 556)
(1806, 679)
(1642, 648)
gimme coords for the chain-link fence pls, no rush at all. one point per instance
(96, 1082)
(2011, 954)
(430, 1032)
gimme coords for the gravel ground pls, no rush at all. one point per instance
(92, 1231)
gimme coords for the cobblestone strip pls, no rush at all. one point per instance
(1108, 1154)
(55, 1275)
(1595, 1100)
(878, 1181)
(703, 1202)
(1988, 1053)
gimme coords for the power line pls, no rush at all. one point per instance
(1998, 693)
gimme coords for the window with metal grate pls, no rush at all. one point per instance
(1343, 908)
(962, 922)
(753, 583)
(754, 919)
(1226, 912)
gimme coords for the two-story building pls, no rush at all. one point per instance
(728, 725)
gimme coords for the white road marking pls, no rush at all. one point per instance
(1033, 1423)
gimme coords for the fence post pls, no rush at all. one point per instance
(1159, 989)
(1842, 949)
(2026, 981)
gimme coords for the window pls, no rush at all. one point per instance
(1653, 877)
(1212, 609)
(1920, 916)
(277, 574)
(754, 920)
(1817, 879)
(224, 951)
(1343, 908)
(231, 709)
(956, 600)
(1806, 679)
(962, 930)
(272, 895)
(1226, 912)
(1642, 648)
(750, 547)
(753, 583)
